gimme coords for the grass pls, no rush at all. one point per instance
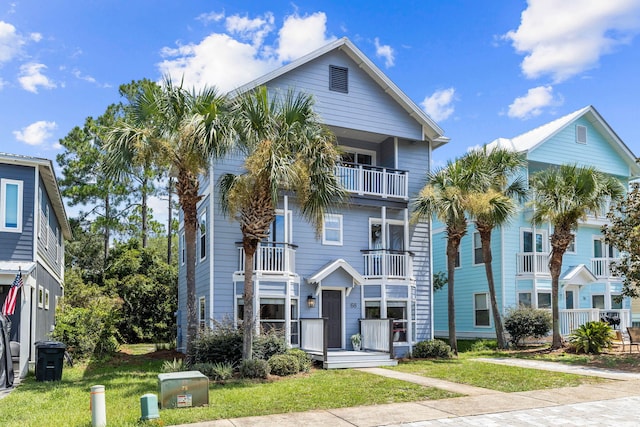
(126, 379)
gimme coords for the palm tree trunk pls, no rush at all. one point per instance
(452, 251)
(169, 219)
(250, 246)
(145, 207)
(487, 257)
(555, 265)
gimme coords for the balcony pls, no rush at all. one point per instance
(530, 263)
(366, 180)
(386, 263)
(601, 267)
(570, 320)
(270, 258)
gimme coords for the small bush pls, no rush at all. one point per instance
(304, 360)
(524, 322)
(254, 368)
(434, 349)
(176, 365)
(284, 365)
(222, 343)
(592, 337)
(269, 344)
(484, 345)
(220, 371)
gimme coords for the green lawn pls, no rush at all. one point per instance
(66, 403)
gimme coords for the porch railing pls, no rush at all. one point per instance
(572, 319)
(314, 336)
(373, 181)
(601, 267)
(377, 335)
(387, 263)
(271, 257)
(532, 263)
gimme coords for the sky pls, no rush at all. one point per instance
(482, 69)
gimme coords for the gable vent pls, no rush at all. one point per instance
(581, 134)
(338, 79)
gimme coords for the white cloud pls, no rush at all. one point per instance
(385, 51)
(439, 105)
(564, 38)
(3, 83)
(36, 37)
(211, 17)
(10, 42)
(531, 104)
(36, 133)
(84, 77)
(31, 77)
(228, 61)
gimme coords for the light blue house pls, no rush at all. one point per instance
(33, 229)
(369, 272)
(588, 289)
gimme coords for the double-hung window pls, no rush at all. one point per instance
(332, 230)
(10, 205)
(481, 309)
(203, 235)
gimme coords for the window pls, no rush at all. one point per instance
(353, 156)
(597, 301)
(581, 134)
(40, 297)
(572, 246)
(46, 299)
(458, 258)
(397, 310)
(544, 300)
(272, 314)
(10, 205)
(602, 250)
(616, 302)
(332, 230)
(527, 241)
(524, 299)
(203, 235)
(338, 79)
(295, 329)
(481, 309)
(45, 226)
(58, 245)
(477, 249)
(183, 249)
(202, 313)
(372, 309)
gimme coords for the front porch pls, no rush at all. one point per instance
(618, 319)
(376, 349)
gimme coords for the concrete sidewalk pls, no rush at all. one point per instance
(615, 402)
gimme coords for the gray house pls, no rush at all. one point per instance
(370, 270)
(33, 228)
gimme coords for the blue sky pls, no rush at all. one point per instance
(482, 69)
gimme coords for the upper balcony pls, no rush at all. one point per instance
(601, 267)
(529, 264)
(366, 180)
(390, 264)
(271, 258)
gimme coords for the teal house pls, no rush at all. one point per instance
(588, 289)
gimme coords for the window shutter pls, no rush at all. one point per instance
(338, 79)
(581, 134)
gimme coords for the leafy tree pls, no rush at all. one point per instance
(172, 128)
(563, 196)
(492, 203)
(85, 253)
(287, 149)
(446, 196)
(623, 233)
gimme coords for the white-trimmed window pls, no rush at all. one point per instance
(571, 249)
(528, 243)
(202, 313)
(58, 245)
(457, 261)
(203, 235)
(10, 205)
(581, 134)
(397, 310)
(295, 323)
(272, 314)
(544, 299)
(524, 299)
(616, 302)
(40, 297)
(332, 230)
(183, 249)
(597, 301)
(372, 309)
(46, 299)
(46, 226)
(481, 309)
(358, 156)
(477, 249)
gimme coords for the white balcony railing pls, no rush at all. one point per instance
(601, 267)
(388, 263)
(271, 257)
(570, 320)
(373, 181)
(532, 263)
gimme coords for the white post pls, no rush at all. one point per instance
(98, 407)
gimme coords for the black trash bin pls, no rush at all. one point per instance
(49, 360)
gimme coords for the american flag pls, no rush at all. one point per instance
(9, 305)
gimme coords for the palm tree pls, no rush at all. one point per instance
(492, 203)
(446, 196)
(563, 196)
(286, 149)
(180, 130)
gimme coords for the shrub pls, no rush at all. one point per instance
(254, 368)
(524, 322)
(483, 345)
(175, 365)
(223, 343)
(215, 371)
(304, 360)
(435, 349)
(284, 365)
(592, 337)
(269, 344)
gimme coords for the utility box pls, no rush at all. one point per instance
(49, 360)
(183, 389)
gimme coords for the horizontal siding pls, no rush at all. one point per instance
(19, 246)
(48, 248)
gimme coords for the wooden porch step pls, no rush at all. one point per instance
(337, 359)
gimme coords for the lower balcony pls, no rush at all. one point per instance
(385, 263)
(530, 263)
(270, 258)
(570, 320)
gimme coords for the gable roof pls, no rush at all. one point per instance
(532, 139)
(331, 267)
(578, 275)
(48, 176)
(430, 128)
